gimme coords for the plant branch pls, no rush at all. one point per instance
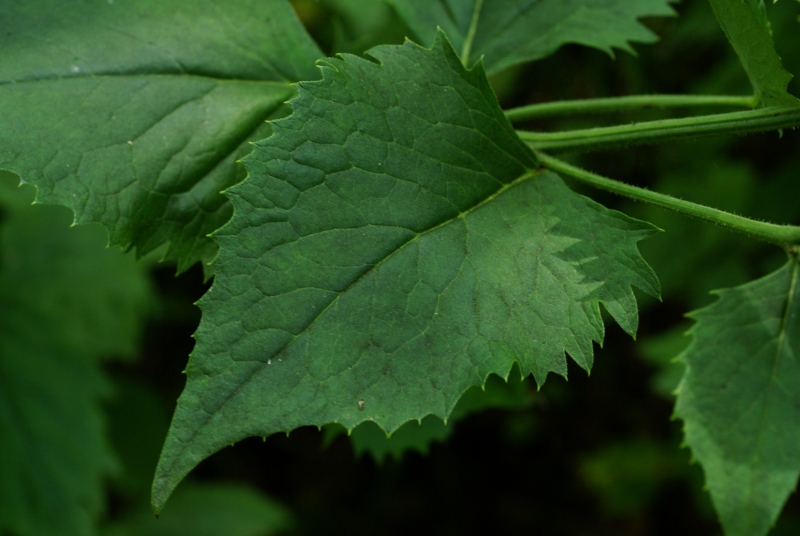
(621, 104)
(665, 129)
(466, 50)
(781, 235)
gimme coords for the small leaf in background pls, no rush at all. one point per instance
(660, 351)
(351, 26)
(67, 302)
(138, 418)
(54, 454)
(627, 475)
(748, 31)
(210, 510)
(739, 399)
(134, 114)
(393, 246)
(90, 300)
(414, 436)
(508, 32)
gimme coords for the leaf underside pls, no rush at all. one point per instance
(394, 245)
(747, 28)
(508, 32)
(739, 400)
(134, 114)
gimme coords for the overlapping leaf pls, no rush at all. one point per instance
(507, 32)
(740, 402)
(394, 245)
(66, 302)
(134, 114)
(747, 28)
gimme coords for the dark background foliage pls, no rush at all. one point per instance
(594, 455)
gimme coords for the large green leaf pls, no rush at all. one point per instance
(507, 32)
(747, 28)
(394, 245)
(740, 399)
(134, 113)
(66, 302)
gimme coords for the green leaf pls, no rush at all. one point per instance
(739, 399)
(54, 327)
(54, 454)
(138, 417)
(394, 244)
(627, 475)
(133, 114)
(507, 32)
(351, 26)
(760, 12)
(747, 29)
(211, 510)
(92, 300)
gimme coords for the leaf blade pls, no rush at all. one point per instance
(394, 245)
(134, 114)
(740, 410)
(511, 32)
(747, 28)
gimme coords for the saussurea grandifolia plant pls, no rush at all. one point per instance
(382, 236)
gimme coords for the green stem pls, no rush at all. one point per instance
(781, 235)
(466, 50)
(665, 129)
(621, 104)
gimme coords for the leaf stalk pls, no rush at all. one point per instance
(628, 103)
(466, 49)
(665, 130)
(784, 236)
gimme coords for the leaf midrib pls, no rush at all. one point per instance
(755, 459)
(778, 350)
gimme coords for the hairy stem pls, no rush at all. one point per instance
(665, 129)
(621, 104)
(781, 235)
(466, 50)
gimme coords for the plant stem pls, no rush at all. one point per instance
(466, 50)
(621, 104)
(781, 235)
(665, 129)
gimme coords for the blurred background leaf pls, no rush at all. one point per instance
(210, 510)
(65, 302)
(368, 438)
